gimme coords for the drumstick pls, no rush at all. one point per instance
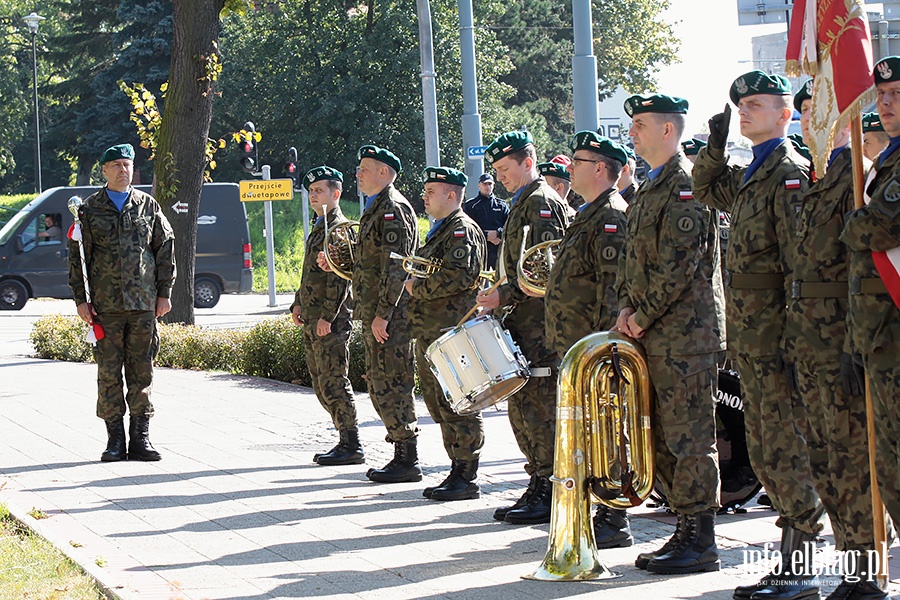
(490, 290)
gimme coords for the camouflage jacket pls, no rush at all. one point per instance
(322, 295)
(816, 327)
(581, 296)
(874, 319)
(442, 299)
(389, 225)
(669, 270)
(130, 254)
(763, 212)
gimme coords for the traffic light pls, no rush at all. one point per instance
(291, 169)
(249, 152)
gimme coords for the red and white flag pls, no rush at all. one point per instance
(829, 40)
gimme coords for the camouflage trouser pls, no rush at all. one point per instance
(328, 360)
(776, 445)
(463, 435)
(131, 342)
(838, 453)
(532, 410)
(390, 379)
(687, 462)
(883, 372)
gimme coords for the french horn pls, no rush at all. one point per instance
(535, 263)
(340, 245)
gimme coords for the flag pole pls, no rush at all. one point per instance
(878, 520)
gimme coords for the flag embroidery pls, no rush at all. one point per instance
(685, 195)
(610, 228)
(388, 216)
(459, 233)
(546, 214)
(792, 184)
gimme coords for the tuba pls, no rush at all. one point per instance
(340, 245)
(533, 268)
(604, 448)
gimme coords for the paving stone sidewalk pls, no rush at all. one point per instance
(237, 510)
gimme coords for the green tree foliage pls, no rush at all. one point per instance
(631, 43)
(330, 76)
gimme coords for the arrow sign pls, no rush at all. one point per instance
(475, 151)
(180, 207)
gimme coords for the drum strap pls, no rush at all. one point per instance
(867, 285)
(541, 371)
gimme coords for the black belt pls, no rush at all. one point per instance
(819, 289)
(754, 281)
(867, 285)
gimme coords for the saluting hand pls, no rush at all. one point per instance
(718, 128)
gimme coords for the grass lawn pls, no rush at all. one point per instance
(30, 567)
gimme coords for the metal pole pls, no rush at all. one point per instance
(584, 69)
(304, 196)
(429, 94)
(270, 239)
(884, 43)
(471, 119)
(37, 125)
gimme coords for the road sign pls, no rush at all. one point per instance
(763, 12)
(269, 189)
(476, 151)
(180, 207)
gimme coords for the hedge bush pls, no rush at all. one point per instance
(272, 348)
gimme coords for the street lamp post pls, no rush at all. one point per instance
(33, 21)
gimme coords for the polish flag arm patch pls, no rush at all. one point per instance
(388, 216)
(546, 213)
(459, 233)
(792, 184)
(610, 228)
(685, 195)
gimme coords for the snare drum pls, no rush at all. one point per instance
(477, 364)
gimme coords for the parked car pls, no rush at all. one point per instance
(34, 252)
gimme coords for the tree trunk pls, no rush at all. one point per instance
(181, 148)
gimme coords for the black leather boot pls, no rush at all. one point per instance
(789, 585)
(115, 445)
(403, 467)
(537, 510)
(347, 452)
(461, 483)
(743, 592)
(697, 551)
(643, 559)
(139, 447)
(500, 513)
(860, 583)
(611, 528)
(453, 467)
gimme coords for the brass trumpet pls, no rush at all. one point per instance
(417, 266)
(426, 267)
(535, 263)
(604, 448)
(340, 244)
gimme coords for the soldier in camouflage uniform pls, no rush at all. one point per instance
(130, 255)
(875, 139)
(438, 302)
(626, 184)
(670, 298)
(874, 317)
(532, 410)
(581, 295)
(829, 371)
(763, 200)
(388, 224)
(322, 306)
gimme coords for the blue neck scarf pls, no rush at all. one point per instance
(760, 153)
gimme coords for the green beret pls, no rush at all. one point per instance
(117, 152)
(692, 146)
(594, 142)
(322, 173)
(508, 143)
(887, 69)
(444, 175)
(757, 82)
(554, 170)
(655, 103)
(629, 151)
(871, 122)
(800, 146)
(381, 155)
(805, 93)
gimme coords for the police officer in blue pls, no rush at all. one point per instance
(490, 213)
